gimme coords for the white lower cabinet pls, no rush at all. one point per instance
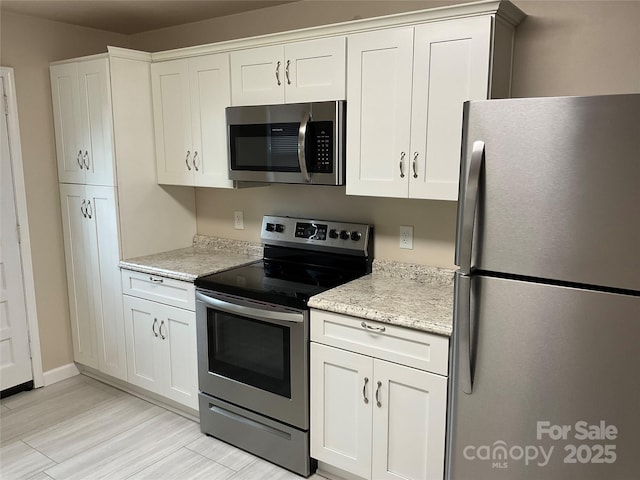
(371, 417)
(89, 222)
(161, 348)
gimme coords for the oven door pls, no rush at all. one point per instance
(254, 355)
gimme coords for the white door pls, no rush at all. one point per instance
(66, 120)
(451, 66)
(106, 284)
(378, 123)
(177, 332)
(97, 121)
(408, 424)
(172, 121)
(142, 323)
(15, 359)
(78, 251)
(258, 76)
(315, 70)
(210, 94)
(341, 401)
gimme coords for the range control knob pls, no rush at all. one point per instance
(344, 235)
(333, 233)
(270, 227)
(355, 236)
(279, 227)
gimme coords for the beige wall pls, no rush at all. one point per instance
(563, 48)
(28, 45)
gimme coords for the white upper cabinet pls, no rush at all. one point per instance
(81, 94)
(306, 71)
(379, 112)
(189, 98)
(450, 66)
(406, 88)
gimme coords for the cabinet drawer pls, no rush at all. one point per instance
(388, 342)
(159, 289)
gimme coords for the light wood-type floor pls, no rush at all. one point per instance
(83, 429)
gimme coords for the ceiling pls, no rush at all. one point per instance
(133, 16)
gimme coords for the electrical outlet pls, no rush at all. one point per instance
(238, 220)
(406, 237)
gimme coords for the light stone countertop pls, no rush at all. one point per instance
(408, 295)
(207, 255)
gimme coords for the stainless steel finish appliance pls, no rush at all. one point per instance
(253, 335)
(292, 143)
(545, 380)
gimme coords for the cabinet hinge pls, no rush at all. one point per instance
(5, 103)
(18, 232)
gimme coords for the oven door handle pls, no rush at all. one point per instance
(252, 312)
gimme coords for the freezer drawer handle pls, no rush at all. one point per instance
(470, 206)
(374, 329)
(463, 332)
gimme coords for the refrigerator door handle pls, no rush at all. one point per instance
(463, 329)
(470, 206)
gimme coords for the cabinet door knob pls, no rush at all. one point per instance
(89, 212)
(164, 337)
(364, 390)
(415, 161)
(79, 159)
(83, 208)
(85, 159)
(287, 72)
(377, 393)
(278, 73)
(186, 160)
(402, 155)
(153, 327)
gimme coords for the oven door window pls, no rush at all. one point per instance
(250, 351)
(269, 147)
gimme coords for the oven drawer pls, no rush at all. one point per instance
(175, 293)
(381, 340)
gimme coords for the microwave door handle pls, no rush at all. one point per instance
(251, 312)
(302, 140)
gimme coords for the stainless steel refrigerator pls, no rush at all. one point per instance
(545, 380)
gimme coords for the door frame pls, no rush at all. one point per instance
(8, 77)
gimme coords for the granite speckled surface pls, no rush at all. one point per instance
(408, 295)
(207, 255)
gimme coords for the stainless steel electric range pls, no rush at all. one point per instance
(253, 335)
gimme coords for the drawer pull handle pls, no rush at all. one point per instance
(377, 393)
(373, 329)
(364, 390)
(153, 327)
(156, 280)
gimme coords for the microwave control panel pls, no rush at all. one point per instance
(321, 145)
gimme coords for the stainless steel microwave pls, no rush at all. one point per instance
(291, 143)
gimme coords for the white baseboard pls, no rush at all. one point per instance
(61, 373)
